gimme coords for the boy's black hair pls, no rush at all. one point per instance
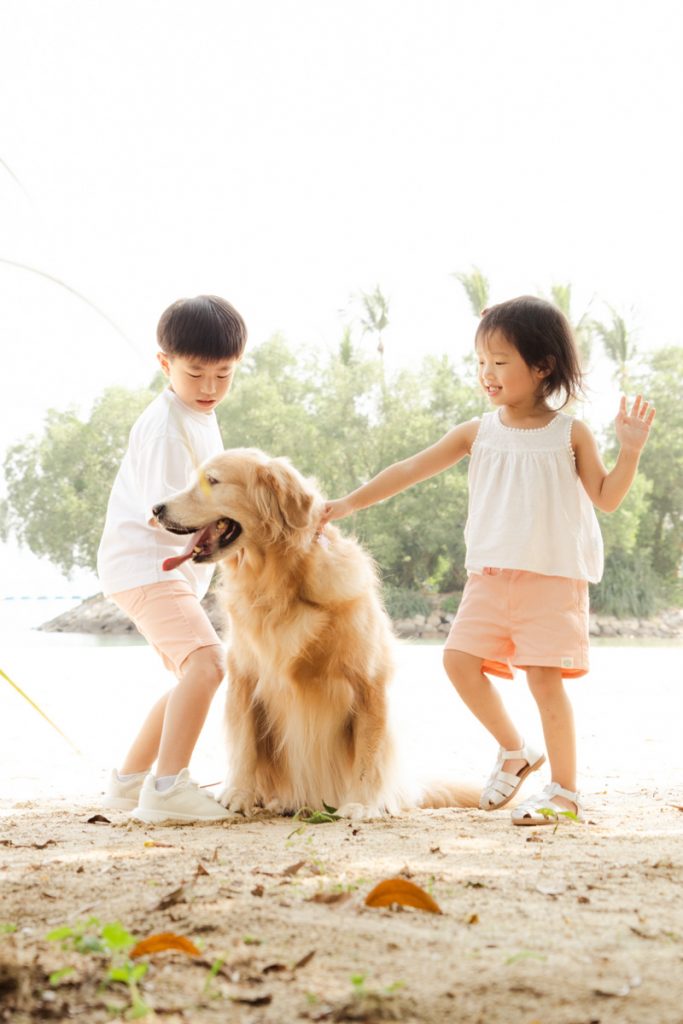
(543, 337)
(207, 327)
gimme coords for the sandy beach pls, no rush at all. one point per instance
(579, 924)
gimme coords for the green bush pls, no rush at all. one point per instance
(451, 604)
(630, 587)
(404, 604)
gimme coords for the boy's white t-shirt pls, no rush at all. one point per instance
(166, 444)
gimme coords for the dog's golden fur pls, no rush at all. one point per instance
(310, 646)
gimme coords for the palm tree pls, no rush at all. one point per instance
(477, 288)
(375, 315)
(618, 344)
(561, 296)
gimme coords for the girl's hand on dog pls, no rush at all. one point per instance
(335, 510)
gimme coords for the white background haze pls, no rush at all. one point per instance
(288, 154)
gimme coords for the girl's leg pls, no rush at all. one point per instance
(557, 718)
(484, 701)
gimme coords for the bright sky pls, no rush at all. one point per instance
(288, 153)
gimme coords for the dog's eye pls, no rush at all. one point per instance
(211, 480)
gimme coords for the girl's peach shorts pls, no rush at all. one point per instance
(514, 619)
(171, 619)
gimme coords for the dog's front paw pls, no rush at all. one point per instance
(360, 812)
(239, 801)
(276, 806)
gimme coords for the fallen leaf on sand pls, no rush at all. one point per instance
(98, 819)
(329, 897)
(250, 1000)
(304, 960)
(161, 942)
(176, 896)
(293, 868)
(406, 894)
(274, 968)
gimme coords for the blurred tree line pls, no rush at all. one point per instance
(341, 419)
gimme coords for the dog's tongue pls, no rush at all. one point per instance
(176, 560)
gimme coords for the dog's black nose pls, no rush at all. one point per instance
(157, 510)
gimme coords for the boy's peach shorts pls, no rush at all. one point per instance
(514, 619)
(171, 619)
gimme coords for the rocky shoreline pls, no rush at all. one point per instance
(99, 616)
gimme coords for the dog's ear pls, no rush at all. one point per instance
(282, 497)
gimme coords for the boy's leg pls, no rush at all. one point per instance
(145, 749)
(172, 620)
(187, 706)
(557, 718)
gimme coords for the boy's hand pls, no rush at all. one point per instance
(633, 428)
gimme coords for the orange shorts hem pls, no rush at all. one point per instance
(513, 619)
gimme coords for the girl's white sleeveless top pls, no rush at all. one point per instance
(527, 506)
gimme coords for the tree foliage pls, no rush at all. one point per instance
(340, 421)
(58, 484)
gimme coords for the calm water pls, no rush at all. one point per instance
(628, 712)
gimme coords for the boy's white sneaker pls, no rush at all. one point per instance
(181, 804)
(123, 794)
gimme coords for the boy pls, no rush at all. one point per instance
(201, 341)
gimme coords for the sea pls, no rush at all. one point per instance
(70, 704)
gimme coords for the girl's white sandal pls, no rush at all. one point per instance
(529, 812)
(502, 786)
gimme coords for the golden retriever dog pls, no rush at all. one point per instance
(310, 651)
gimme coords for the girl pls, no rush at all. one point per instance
(532, 536)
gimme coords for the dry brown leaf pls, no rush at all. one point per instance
(275, 968)
(329, 897)
(406, 894)
(250, 1000)
(201, 870)
(293, 868)
(304, 960)
(98, 819)
(176, 896)
(161, 942)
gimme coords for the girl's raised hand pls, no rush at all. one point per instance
(633, 427)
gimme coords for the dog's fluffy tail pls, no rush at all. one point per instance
(449, 794)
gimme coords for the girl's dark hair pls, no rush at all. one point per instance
(543, 337)
(207, 327)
